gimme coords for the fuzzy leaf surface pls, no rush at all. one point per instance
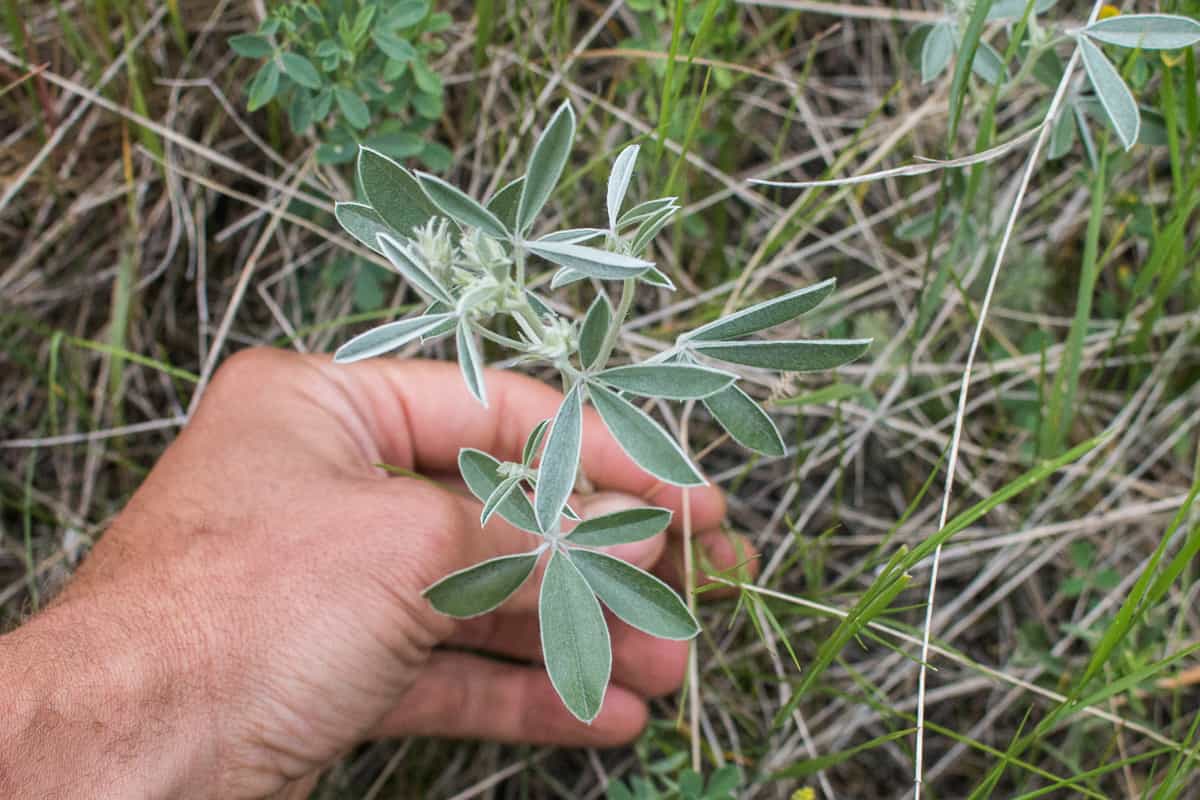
(393, 191)
(618, 182)
(746, 421)
(787, 356)
(767, 314)
(594, 329)
(575, 641)
(671, 381)
(481, 474)
(590, 261)
(1112, 92)
(482, 588)
(416, 274)
(546, 165)
(621, 527)
(460, 206)
(386, 338)
(636, 596)
(560, 461)
(643, 439)
(1147, 31)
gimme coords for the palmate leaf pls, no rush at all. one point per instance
(387, 338)
(560, 461)
(1146, 31)
(745, 421)
(1112, 92)
(636, 596)
(546, 165)
(787, 356)
(768, 314)
(411, 270)
(643, 439)
(594, 330)
(393, 192)
(618, 182)
(620, 527)
(460, 206)
(481, 473)
(590, 261)
(363, 223)
(482, 588)
(670, 381)
(575, 642)
(470, 363)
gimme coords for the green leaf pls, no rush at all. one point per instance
(411, 270)
(393, 191)
(1015, 9)
(546, 164)
(989, 64)
(533, 443)
(1146, 31)
(643, 439)
(394, 47)
(618, 182)
(470, 363)
(594, 330)
(672, 381)
(644, 211)
(636, 596)
(406, 13)
(765, 315)
(745, 420)
(301, 70)
(263, 86)
(386, 338)
(481, 473)
(575, 642)
(484, 587)
(461, 207)
(620, 527)
(937, 51)
(427, 80)
(504, 203)
(787, 356)
(651, 228)
(506, 488)
(396, 144)
(590, 261)
(656, 277)
(1062, 137)
(574, 235)
(1114, 95)
(353, 107)
(362, 222)
(251, 45)
(560, 461)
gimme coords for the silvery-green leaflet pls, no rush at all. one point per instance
(473, 261)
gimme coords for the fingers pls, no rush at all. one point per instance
(419, 415)
(465, 696)
(648, 666)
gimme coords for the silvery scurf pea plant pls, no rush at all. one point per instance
(474, 263)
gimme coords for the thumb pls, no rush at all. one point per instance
(645, 553)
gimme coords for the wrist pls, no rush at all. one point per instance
(91, 711)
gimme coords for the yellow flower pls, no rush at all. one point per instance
(806, 793)
(1109, 11)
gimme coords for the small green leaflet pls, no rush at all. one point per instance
(504, 202)
(546, 165)
(745, 421)
(353, 108)
(643, 439)
(618, 182)
(410, 270)
(1062, 136)
(263, 86)
(620, 527)
(534, 442)
(481, 474)
(560, 461)
(1146, 31)
(460, 206)
(477, 590)
(393, 192)
(470, 363)
(765, 315)
(636, 596)
(362, 222)
(1015, 9)
(937, 51)
(1114, 95)
(386, 338)
(787, 356)
(575, 642)
(989, 64)
(300, 69)
(590, 261)
(594, 330)
(251, 45)
(671, 381)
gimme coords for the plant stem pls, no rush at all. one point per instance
(628, 290)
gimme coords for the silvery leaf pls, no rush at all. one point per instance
(787, 356)
(618, 182)
(644, 211)
(656, 277)
(746, 422)
(477, 590)
(502, 493)
(460, 206)
(504, 202)
(481, 474)
(574, 235)
(470, 363)
(362, 222)
(594, 330)
(546, 165)
(560, 461)
(937, 51)
(670, 381)
(1015, 9)
(386, 338)
(766, 314)
(575, 641)
(565, 277)
(1146, 31)
(591, 261)
(533, 443)
(651, 228)
(989, 64)
(620, 527)
(393, 191)
(1114, 95)
(643, 439)
(1062, 137)
(412, 271)
(636, 596)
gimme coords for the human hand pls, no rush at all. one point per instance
(256, 611)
